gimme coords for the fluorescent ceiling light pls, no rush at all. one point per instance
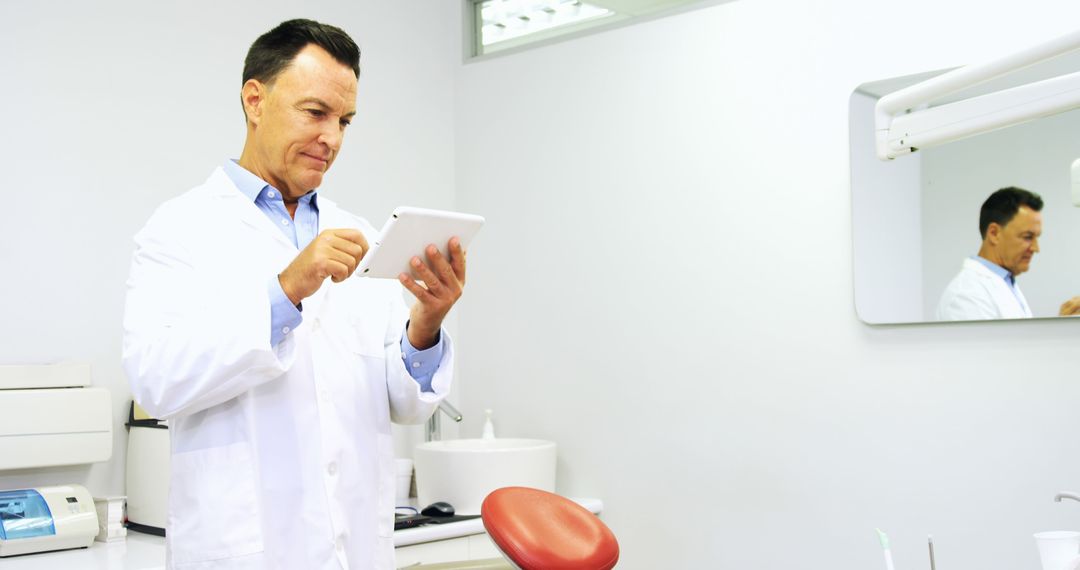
(503, 20)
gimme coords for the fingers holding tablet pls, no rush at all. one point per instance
(438, 274)
(457, 258)
(437, 286)
(410, 231)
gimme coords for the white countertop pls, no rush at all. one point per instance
(146, 552)
(138, 552)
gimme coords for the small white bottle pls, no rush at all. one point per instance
(489, 428)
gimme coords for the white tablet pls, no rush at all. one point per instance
(408, 231)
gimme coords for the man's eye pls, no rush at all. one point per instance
(345, 123)
(315, 112)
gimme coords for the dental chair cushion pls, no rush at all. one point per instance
(540, 530)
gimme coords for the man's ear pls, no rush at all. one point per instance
(993, 233)
(253, 96)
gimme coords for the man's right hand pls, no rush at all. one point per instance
(333, 253)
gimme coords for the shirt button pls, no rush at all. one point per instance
(332, 468)
(285, 330)
(270, 193)
(284, 222)
(416, 365)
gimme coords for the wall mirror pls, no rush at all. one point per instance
(915, 218)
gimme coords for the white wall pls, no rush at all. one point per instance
(109, 108)
(886, 225)
(957, 179)
(664, 288)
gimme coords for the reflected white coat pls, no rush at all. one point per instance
(281, 456)
(976, 293)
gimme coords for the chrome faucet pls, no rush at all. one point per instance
(434, 427)
(1066, 495)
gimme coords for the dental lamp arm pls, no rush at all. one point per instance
(1066, 495)
(904, 133)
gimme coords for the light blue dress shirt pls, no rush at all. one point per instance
(1003, 273)
(301, 229)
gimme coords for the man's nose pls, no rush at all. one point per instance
(332, 135)
(1035, 246)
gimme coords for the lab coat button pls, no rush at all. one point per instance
(332, 468)
(339, 543)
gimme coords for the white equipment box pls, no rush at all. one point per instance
(51, 417)
(46, 518)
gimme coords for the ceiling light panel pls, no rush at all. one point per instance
(504, 20)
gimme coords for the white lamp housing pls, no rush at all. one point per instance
(902, 127)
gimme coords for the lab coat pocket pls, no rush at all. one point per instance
(214, 510)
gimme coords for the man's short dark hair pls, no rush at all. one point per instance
(275, 50)
(1002, 205)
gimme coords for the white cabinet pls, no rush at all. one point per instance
(481, 547)
(52, 417)
(432, 552)
(474, 547)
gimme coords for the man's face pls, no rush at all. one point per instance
(299, 121)
(1018, 241)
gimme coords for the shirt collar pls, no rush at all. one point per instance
(252, 186)
(997, 269)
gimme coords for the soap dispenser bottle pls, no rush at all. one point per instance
(489, 428)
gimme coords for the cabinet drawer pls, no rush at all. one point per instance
(433, 552)
(481, 547)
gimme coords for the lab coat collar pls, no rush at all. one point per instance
(330, 216)
(996, 269)
(222, 187)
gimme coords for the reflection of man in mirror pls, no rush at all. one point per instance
(985, 288)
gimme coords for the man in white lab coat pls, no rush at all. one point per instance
(1010, 223)
(280, 387)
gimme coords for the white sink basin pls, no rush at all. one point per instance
(463, 471)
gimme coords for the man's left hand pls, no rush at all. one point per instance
(443, 282)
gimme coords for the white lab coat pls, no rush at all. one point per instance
(976, 293)
(281, 456)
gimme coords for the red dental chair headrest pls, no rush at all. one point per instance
(538, 530)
